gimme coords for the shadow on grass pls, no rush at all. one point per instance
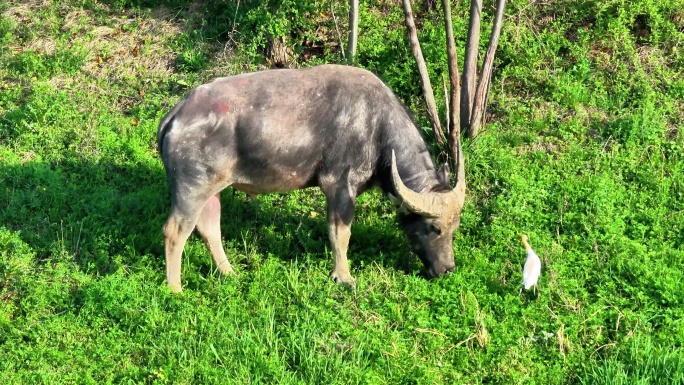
(106, 215)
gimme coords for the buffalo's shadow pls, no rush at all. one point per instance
(104, 215)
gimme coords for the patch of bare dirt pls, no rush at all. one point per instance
(132, 47)
(541, 145)
(22, 12)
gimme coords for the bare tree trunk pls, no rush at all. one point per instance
(353, 30)
(422, 68)
(470, 66)
(486, 74)
(454, 100)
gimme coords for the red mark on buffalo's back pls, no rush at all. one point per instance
(221, 105)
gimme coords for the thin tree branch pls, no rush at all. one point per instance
(486, 74)
(446, 104)
(454, 101)
(455, 82)
(235, 16)
(428, 94)
(486, 102)
(339, 35)
(470, 66)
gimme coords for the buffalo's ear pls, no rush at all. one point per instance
(443, 174)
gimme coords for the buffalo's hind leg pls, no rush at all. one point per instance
(177, 229)
(186, 214)
(209, 227)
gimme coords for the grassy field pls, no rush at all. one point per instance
(583, 150)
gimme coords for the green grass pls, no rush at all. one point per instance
(583, 151)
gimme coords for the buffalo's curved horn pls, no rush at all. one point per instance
(429, 205)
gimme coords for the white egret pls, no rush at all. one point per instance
(532, 267)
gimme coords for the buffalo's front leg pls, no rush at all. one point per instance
(339, 238)
(340, 214)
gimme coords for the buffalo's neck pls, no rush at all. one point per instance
(416, 172)
(414, 163)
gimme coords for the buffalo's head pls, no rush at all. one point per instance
(430, 219)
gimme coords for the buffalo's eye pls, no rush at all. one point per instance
(435, 230)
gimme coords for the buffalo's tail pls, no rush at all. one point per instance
(165, 125)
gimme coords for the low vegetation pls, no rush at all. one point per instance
(582, 150)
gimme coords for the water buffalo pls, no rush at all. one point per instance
(336, 127)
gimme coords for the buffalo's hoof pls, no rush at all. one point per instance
(226, 269)
(343, 279)
(175, 287)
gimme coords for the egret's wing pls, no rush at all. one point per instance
(531, 270)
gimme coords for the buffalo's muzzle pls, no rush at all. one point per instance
(438, 269)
